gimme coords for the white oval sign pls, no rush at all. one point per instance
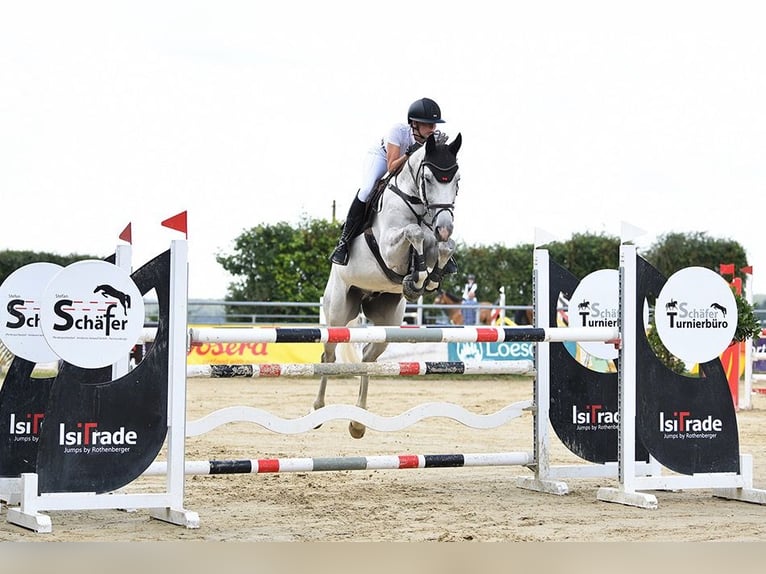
(92, 314)
(596, 303)
(20, 296)
(696, 315)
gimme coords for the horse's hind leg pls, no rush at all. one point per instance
(385, 309)
(357, 429)
(371, 352)
(327, 357)
(340, 305)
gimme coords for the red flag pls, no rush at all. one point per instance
(748, 269)
(727, 269)
(177, 222)
(127, 234)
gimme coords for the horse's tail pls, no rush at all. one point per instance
(349, 352)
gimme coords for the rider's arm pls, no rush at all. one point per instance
(394, 157)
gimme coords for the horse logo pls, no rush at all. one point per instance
(672, 304)
(109, 291)
(584, 306)
(719, 307)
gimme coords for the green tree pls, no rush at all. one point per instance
(495, 266)
(12, 260)
(675, 251)
(585, 253)
(280, 262)
(498, 266)
(283, 262)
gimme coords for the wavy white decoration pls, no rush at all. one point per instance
(350, 412)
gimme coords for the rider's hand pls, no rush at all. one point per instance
(440, 137)
(413, 148)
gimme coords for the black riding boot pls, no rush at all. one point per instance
(351, 228)
(451, 266)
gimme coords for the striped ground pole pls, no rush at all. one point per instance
(381, 462)
(210, 335)
(392, 369)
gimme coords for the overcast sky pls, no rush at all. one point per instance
(575, 115)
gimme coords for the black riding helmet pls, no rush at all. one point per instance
(425, 110)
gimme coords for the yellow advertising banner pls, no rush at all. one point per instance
(254, 353)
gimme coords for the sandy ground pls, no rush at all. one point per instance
(465, 504)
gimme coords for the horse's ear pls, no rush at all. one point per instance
(454, 147)
(430, 144)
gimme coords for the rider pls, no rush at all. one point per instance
(401, 141)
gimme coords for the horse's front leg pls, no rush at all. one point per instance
(415, 281)
(444, 250)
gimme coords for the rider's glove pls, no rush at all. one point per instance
(440, 137)
(413, 148)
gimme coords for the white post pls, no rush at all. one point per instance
(502, 305)
(177, 351)
(542, 362)
(122, 259)
(542, 482)
(746, 401)
(627, 373)
(626, 441)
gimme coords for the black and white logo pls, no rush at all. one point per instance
(696, 315)
(20, 296)
(596, 303)
(92, 313)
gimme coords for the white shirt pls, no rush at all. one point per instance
(377, 159)
(470, 289)
(400, 135)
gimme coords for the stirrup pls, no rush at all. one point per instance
(340, 255)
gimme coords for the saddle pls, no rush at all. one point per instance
(374, 202)
(373, 207)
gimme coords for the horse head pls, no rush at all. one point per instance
(439, 185)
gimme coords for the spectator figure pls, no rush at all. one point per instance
(470, 300)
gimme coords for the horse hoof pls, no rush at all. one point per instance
(410, 292)
(314, 408)
(356, 430)
(412, 297)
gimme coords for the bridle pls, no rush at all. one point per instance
(432, 210)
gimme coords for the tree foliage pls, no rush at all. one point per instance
(675, 251)
(495, 266)
(498, 266)
(281, 262)
(12, 260)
